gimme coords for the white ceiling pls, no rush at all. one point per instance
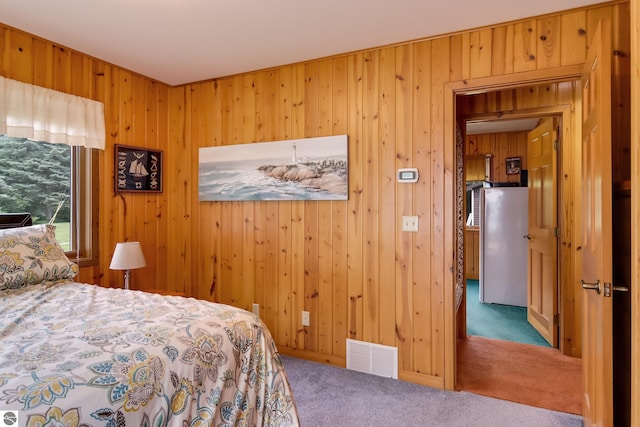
(183, 41)
(505, 125)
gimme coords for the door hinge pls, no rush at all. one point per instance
(556, 319)
(555, 232)
(556, 145)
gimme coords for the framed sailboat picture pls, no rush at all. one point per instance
(138, 169)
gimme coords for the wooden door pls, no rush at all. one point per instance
(542, 282)
(596, 247)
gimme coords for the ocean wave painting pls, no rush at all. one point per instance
(297, 169)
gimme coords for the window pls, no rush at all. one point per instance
(53, 182)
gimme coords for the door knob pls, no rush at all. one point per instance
(527, 236)
(591, 286)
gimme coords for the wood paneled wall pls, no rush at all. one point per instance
(500, 146)
(135, 114)
(346, 262)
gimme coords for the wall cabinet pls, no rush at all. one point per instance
(476, 168)
(472, 252)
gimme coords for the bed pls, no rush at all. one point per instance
(76, 354)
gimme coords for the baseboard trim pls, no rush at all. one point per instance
(312, 356)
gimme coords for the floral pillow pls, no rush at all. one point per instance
(31, 255)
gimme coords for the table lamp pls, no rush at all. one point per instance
(127, 256)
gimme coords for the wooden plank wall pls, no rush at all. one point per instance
(500, 146)
(347, 263)
(135, 114)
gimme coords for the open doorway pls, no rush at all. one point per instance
(565, 317)
(496, 166)
(506, 152)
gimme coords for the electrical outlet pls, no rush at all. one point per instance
(305, 318)
(256, 309)
(410, 223)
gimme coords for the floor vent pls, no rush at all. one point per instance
(372, 358)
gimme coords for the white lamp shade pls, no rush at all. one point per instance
(127, 256)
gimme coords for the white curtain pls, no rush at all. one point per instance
(28, 111)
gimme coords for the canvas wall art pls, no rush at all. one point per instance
(297, 169)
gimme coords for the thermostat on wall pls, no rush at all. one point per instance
(408, 175)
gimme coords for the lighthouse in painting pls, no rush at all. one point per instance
(294, 156)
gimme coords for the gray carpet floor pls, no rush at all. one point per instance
(327, 396)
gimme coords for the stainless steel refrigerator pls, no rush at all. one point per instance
(503, 246)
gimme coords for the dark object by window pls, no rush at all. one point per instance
(15, 220)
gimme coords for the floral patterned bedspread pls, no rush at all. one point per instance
(81, 355)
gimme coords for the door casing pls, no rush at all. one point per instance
(480, 85)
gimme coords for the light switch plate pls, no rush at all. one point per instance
(410, 223)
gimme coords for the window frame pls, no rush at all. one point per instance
(85, 199)
(84, 194)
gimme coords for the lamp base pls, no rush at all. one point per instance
(127, 274)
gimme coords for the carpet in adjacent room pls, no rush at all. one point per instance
(504, 322)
